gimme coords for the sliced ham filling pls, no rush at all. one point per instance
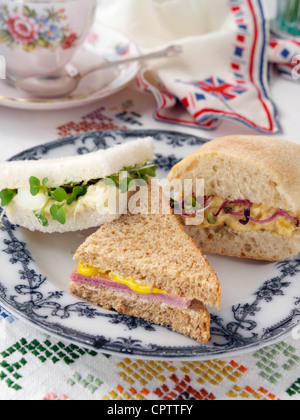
(106, 283)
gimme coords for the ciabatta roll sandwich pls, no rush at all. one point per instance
(251, 207)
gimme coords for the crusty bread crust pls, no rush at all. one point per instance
(261, 169)
(193, 322)
(59, 171)
(257, 245)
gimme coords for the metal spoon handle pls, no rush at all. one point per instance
(171, 51)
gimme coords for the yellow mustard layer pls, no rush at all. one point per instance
(281, 224)
(131, 283)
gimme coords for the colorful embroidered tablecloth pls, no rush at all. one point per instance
(36, 366)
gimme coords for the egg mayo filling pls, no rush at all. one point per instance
(73, 198)
(95, 197)
(97, 278)
(244, 216)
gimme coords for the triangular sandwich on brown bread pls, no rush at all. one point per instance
(144, 265)
(252, 197)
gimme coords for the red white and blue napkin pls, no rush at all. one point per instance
(284, 52)
(223, 72)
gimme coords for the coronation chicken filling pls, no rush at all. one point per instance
(243, 216)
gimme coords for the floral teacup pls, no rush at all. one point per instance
(39, 37)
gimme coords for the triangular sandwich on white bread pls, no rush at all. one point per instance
(71, 193)
(144, 265)
(252, 197)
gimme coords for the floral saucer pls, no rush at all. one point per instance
(102, 44)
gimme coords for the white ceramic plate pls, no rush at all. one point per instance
(260, 303)
(102, 44)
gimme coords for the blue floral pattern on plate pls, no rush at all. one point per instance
(264, 315)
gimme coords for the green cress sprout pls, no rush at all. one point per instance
(41, 218)
(6, 196)
(211, 218)
(140, 172)
(67, 194)
(36, 186)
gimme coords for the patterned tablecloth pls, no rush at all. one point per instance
(36, 366)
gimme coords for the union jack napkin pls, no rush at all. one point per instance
(284, 52)
(223, 72)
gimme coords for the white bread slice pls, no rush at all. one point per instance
(258, 245)
(60, 171)
(84, 220)
(261, 169)
(193, 322)
(154, 250)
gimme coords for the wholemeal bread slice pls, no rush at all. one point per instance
(154, 250)
(193, 322)
(262, 170)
